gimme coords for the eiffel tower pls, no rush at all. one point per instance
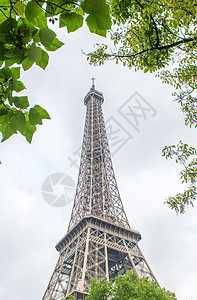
(99, 241)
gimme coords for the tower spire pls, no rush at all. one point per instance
(93, 81)
(99, 241)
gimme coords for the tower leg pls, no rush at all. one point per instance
(95, 251)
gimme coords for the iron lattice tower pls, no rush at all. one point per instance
(99, 241)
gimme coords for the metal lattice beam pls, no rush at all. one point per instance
(99, 241)
(97, 192)
(95, 252)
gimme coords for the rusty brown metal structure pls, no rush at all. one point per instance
(99, 241)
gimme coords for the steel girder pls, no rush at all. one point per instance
(95, 248)
(99, 241)
(97, 192)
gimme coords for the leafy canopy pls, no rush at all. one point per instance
(150, 35)
(161, 37)
(26, 40)
(128, 287)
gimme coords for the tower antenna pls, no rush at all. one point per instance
(93, 85)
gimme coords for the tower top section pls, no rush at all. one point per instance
(97, 192)
(93, 93)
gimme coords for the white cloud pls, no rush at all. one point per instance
(30, 228)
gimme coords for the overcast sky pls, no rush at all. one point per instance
(30, 228)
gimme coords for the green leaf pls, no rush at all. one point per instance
(55, 7)
(98, 20)
(32, 10)
(15, 72)
(19, 8)
(7, 72)
(20, 86)
(56, 44)
(40, 21)
(35, 15)
(10, 99)
(101, 22)
(29, 131)
(44, 61)
(34, 117)
(46, 36)
(96, 7)
(8, 25)
(19, 52)
(3, 119)
(8, 95)
(3, 111)
(21, 102)
(43, 113)
(98, 31)
(79, 11)
(2, 51)
(7, 131)
(3, 37)
(35, 53)
(13, 84)
(36, 37)
(3, 16)
(10, 53)
(26, 64)
(18, 121)
(25, 33)
(2, 78)
(72, 20)
(11, 61)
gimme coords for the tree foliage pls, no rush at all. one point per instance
(26, 40)
(187, 157)
(151, 35)
(70, 298)
(160, 36)
(128, 287)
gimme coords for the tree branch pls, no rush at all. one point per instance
(183, 41)
(156, 29)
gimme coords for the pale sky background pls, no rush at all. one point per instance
(30, 228)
